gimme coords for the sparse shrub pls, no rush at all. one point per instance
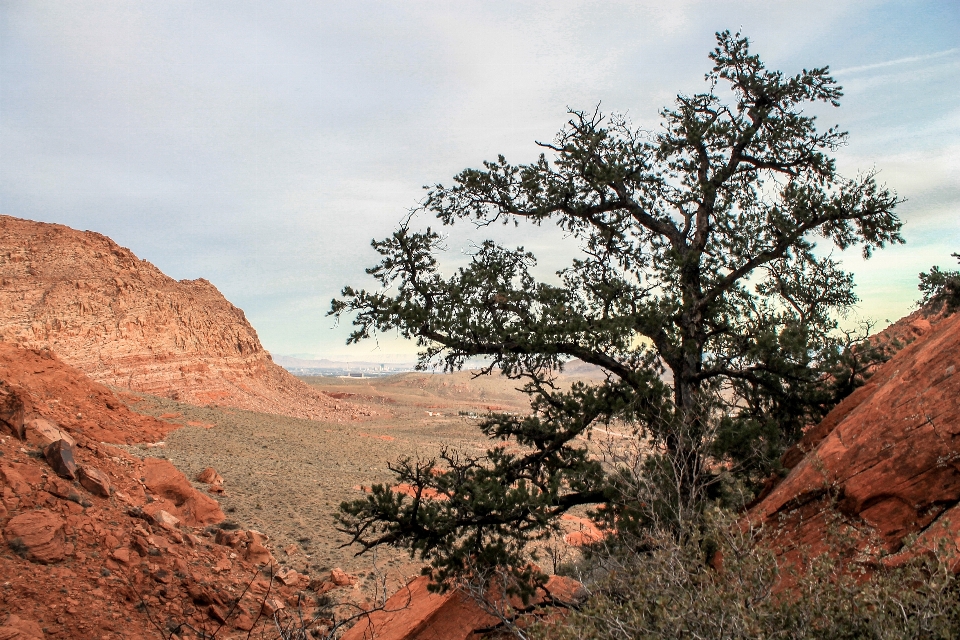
(669, 588)
(18, 547)
(941, 287)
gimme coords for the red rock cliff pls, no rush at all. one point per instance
(124, 323)
(886, 461)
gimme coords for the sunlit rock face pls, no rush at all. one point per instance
(885, 463)
(124, 323)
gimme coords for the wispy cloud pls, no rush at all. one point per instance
(898, 61)
(262, 148)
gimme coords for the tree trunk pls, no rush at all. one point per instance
(686, 440)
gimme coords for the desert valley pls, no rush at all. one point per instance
(158, 469)
(566, 320)
(152, 382)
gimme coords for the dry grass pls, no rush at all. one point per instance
(286, 477)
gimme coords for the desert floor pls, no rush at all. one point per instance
(286, 477)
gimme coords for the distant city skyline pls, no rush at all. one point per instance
(263, 145)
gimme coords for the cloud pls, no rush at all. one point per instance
(897, 62)
(262, 145)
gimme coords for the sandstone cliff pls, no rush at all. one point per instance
(883, 468)
(124, 323)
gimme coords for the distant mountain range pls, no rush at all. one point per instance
(573, 369)
(293, 363)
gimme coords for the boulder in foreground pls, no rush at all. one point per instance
(37, 535)
(415, 613)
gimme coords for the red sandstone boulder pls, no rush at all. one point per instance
(17, 628)
(60, 456)
(291, 578)
(11, 410)
(60, 488)
(37, 535)
(257, 554)
(43, 432)
(341, 578)
(209, 476)
(232, 538)
(94, 481)
(564, 591)
(121, 555)
(271, 606)
(162, 479)
(21, 479)
(888, 455)
(166, 520)
(415, 613)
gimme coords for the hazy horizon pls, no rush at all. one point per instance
(262, 146)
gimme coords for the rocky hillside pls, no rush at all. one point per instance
(98, 543)
(124, 323)
(883, 468)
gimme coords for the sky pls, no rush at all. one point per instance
(262, 145)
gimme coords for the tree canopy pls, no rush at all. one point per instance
(695, 284)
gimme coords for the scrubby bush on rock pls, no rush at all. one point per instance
(941, 287)
(718, 583)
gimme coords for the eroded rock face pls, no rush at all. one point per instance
(888, 457)
(80, 561)
(166, 482)
(43, 387)
(126, 324)
(37, 535)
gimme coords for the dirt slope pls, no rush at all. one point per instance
(124, 323)
(886, 461)
(126, 544)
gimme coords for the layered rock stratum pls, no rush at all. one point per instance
(883, 468)
(124, 323)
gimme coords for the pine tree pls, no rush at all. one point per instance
(696, 285)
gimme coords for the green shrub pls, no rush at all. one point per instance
(941, 287)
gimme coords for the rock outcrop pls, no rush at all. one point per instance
(39, 391)
(885, 463)
(174, 494)
(129, 548)
(416, 613)
(124, 323)
(37, 535)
